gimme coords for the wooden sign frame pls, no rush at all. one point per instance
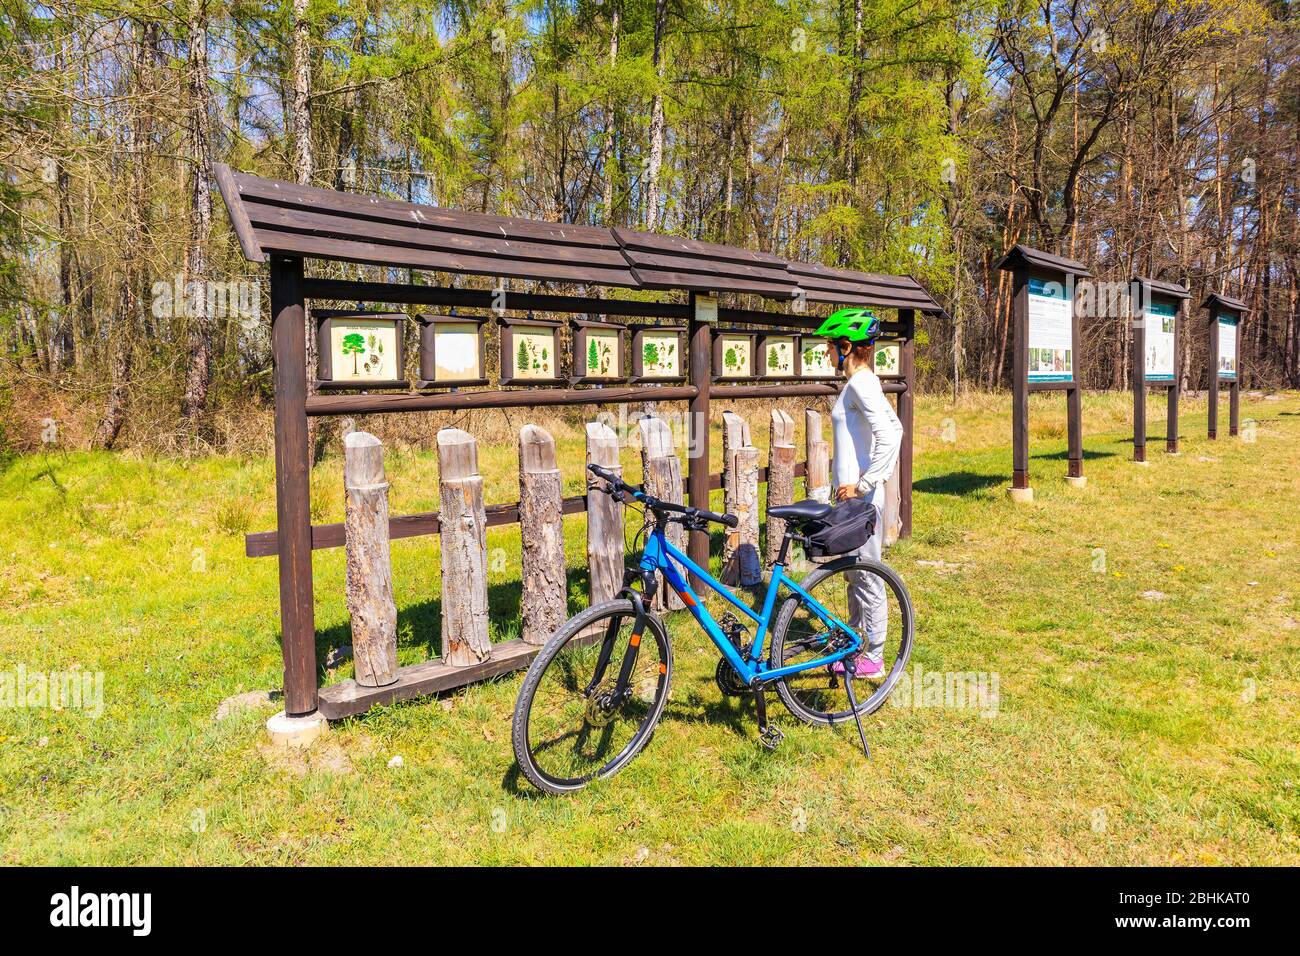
(830, 376)
(765, 341)
(1216, 304)
(428, 355)
(719, 353)
(1026, 264)
(1166, 294)
(637, 356)
(887, 341)
(509, 374)
(325, 320)
(581, 375)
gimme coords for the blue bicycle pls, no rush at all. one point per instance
(596, 690)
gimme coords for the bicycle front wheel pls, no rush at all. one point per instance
(867, 596)
(591, 698)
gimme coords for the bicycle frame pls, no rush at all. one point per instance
(659, 555)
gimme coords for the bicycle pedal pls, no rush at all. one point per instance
(771, 738)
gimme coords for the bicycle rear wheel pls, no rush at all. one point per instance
(817, 696)
(572, 722)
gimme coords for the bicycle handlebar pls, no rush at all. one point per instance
(655, 504)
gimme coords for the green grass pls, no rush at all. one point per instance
(1130, 730)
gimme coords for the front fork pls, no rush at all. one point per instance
(621, 690)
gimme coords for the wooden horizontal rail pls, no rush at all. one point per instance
(348, 290)
(793, 391)
(348, 698)
(318, 405)
(264, 544)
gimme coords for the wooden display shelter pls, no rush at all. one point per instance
(1218, 307)
(283, 224)
(1030, 268)
(1159, 299)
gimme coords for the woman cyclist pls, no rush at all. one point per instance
(868, 436)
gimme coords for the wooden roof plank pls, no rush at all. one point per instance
(1161, 287)
(360, 250)
(322, 223)
(255, 188)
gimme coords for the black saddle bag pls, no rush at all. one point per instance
(848, 527)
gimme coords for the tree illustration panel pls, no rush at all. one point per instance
(776, 356)
(816, 358)
(357, 350)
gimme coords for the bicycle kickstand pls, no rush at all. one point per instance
(853, 706)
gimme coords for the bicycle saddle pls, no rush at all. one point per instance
(808, 510)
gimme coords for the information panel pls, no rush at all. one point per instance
(363, 350)
(1227, 345)
(1159, 363)
(1051, 333)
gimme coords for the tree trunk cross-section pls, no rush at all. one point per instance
(663, 479)
(780, 478)
(369, 563)
(604, 518)
(544, 603)
(464, 551)
(740, 561)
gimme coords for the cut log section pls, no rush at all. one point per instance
(544, 602)
(464, 551)
(369, 579)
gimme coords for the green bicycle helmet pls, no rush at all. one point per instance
(854, 324)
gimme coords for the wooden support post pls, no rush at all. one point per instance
(1234, 401)
(293, 486)
(1074, 426)
(1074, 407)
(1175, 393)
(464, 551)
(1020, 383)
(780, 478)
(701, 377)
(817, 471)
(371, 608)
(740, 562)
(1212, 423)
(663, 479)
(1137, 359)
(1171, 414)
(604, 519)
(544, 601)
(907, 416)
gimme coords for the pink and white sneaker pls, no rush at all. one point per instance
(865, 668)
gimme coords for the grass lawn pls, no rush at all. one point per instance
(1143, 632)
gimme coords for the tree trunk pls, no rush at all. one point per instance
(464, 551)
(740, 562)
(544, 602)
(199, 375)
(817, 479)
(604, 519)
(656, 120)
(663, 479)
(780, 478)
(371, 607)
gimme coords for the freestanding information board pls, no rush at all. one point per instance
(1224, 320)
(1045, 346)
(1157, 341)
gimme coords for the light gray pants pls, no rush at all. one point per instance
(868, 603)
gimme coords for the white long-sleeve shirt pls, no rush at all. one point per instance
(867, 433)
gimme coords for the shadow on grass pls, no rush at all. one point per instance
(423, 621)
(1065, 455)
(957, 483)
